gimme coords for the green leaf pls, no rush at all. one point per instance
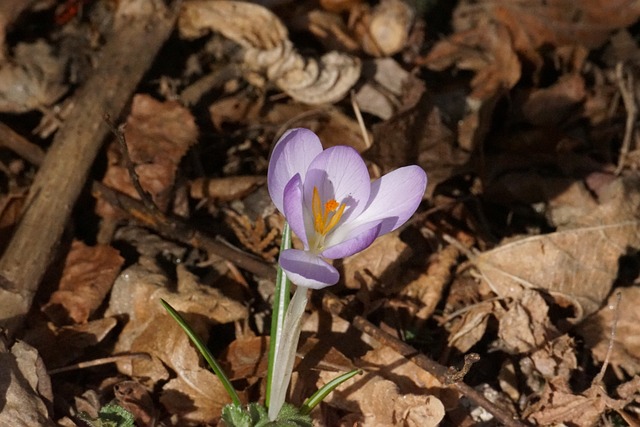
(110, 415)
(319, 395)
(202, 348)
(280, 303)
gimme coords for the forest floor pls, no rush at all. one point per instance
(134, 144)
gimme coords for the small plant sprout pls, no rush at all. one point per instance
(331, 204)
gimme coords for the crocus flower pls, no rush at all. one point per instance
(330, 203)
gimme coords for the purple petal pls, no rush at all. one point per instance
(294, 209)
(309, 270)
(339, 173)
(293, 154)
(362, 238)
(394, 198)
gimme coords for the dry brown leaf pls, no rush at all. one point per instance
(89, 272)
(332, 126)
(158, 134)
(269, 53)
(470, 328)
(553, 105)
(558, 405)
(378, 266)
(135, 398)
(596, 331)
(246, 358)
(525, 325)
(194, 394)
(426, 290)
(330, 29)
(385, 84)
(577, 264)
(556, 360)
(383, 30)
(27, 396)
(376, 401)
(418, 133)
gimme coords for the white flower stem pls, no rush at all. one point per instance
(286, 351)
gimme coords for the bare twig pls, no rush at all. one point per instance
(19, 145)
(175, 229)
(99, 362)
(612, 336)
(626, 85)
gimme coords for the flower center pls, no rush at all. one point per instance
(325, 217)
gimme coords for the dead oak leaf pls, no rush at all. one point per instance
(577, 264)
(86, 280)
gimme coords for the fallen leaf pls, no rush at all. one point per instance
(27, 396)
(525, 326)
(577, 264)
(383, 30)
(558, 404)
(378, 266)
(158, 134)
(87, 277)
(385, 84)
(375, 401)
(135, 398)
(269, 53)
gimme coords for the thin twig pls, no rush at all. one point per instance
(146, 198)
(99, 362)
(175, 229)
(626, 85)
(614, 325)
(363, 127)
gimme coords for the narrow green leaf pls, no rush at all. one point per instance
(319, 395)
(202, 348)
(281, 298)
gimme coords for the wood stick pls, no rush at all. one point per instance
(124, 59)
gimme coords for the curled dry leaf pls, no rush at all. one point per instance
(384, 29)
(525, 325)
(89, 272)
(26, 386)
(579, 263)
(158, 134)
(378, 266)
(384, 87)
(268, 52)
(596, 331)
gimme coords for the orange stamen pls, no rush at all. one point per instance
(324, 219)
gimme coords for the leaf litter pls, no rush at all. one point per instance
(523, 114)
